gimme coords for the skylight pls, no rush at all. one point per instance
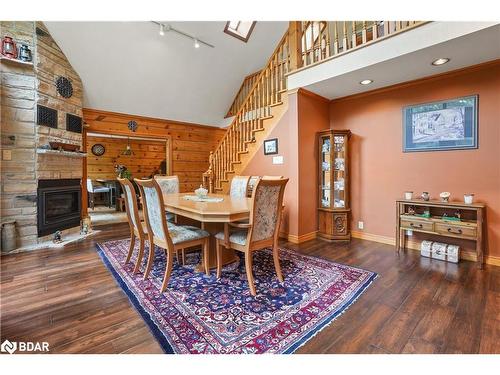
(240, 29)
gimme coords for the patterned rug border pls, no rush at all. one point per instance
(155, 330)
(168, 349)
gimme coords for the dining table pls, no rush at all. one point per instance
(212, 215)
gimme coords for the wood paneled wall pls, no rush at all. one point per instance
(191, 143)
(146, 160)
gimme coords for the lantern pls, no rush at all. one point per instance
(9, 47)
(25, 53)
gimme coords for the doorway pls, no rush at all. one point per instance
(107, 154)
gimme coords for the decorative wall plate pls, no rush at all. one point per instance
(98, 149)
(64, 87)
(132, 125)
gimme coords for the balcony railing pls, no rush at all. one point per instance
(317, 41)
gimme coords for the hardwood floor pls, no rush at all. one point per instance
(68, 298)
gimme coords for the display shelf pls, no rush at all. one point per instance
(7, 60)
(69, 154)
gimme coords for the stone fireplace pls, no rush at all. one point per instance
(41, 188)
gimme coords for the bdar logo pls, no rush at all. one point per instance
(9, 347)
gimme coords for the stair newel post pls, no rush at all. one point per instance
(295, 44)
(208, 179)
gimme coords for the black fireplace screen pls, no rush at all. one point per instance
(59, 205)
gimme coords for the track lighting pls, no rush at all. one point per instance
(164, 28)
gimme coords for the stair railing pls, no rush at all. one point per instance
(255, 108)
(243, 92)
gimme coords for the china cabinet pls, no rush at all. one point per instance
(333, 184)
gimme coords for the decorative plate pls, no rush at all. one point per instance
(98, 149)
(64, 87)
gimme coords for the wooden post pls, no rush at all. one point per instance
(295, 45)
(84, 198)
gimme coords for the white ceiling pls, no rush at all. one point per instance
(128, 67)
(403, 58)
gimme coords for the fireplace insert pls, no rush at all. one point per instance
(59, 205)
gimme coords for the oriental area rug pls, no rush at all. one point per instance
(199, 314)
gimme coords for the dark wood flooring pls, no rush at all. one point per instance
(68, 298)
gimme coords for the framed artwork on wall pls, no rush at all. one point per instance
(271, 146)
(444, 125)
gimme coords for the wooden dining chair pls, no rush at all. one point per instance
(239, 186)
(137, 227)
(92, 190)
(260, 232)
(170, 238)
(168, 185)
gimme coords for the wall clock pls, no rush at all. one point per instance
(64, 87)
(98, 149)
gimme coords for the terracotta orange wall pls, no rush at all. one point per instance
(296, 132)
(287, 133)
(313, 116)
(381, 172)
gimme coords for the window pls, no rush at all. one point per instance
(240, 29)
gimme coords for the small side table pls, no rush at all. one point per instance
(120, 204)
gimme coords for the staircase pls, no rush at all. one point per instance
(259, 103)
(253, 121)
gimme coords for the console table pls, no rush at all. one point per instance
(470, 226)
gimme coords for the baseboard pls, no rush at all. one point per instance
(415, 245)
(299, 239)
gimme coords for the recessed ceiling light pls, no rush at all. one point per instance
(196, 43)
(441, 61)
(366, 81)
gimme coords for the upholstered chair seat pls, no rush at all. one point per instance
(239, 237)
(182, 234)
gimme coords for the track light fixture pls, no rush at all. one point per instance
(167, 28)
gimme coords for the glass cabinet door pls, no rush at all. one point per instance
(326, 170)
(339, 164)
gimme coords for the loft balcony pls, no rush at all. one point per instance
(332, 58)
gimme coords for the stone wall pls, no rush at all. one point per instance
(18, 108)
(23, 87)
(51, 64)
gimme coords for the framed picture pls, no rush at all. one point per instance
(271, 146)
(445, 125)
